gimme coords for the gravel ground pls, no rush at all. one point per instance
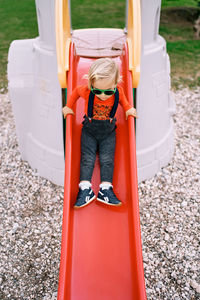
(31, 217)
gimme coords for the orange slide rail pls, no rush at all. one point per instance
(63, 39)
(134, 40)
(101, 251)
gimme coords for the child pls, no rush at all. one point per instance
(98, 133)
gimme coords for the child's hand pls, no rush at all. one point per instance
(66, 111)
(131, 112)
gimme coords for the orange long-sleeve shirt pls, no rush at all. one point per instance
(101, 109)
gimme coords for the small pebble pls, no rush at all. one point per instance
(195, 286)
(184, 204)
(166, 237)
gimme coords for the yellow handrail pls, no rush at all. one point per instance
(63, 39)
(134, 39)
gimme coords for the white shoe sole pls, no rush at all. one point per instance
(111, 204)
(77, 207)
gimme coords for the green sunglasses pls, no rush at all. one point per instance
(106, 92)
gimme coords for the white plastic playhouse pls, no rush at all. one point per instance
(37, 101)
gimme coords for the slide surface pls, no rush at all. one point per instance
(101, 253)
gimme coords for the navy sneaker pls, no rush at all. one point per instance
(84, 198)
(107, 196)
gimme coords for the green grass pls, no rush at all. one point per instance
(173, 32)
(19, 21)
(179, 3)
(100, 13)
(185, 61)
(183, 49)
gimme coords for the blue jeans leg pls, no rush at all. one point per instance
(88, 155)
(106, 157)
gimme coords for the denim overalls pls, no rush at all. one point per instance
(98, 135)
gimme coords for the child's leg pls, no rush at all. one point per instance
(88, 155)
(106, 156)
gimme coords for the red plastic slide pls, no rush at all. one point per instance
(101, 253)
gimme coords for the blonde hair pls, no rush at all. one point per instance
(103, 68)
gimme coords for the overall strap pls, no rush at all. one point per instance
(90, 105)
(113, 110)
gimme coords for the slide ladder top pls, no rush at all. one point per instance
(63, 39)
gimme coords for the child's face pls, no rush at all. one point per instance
(104, 84)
